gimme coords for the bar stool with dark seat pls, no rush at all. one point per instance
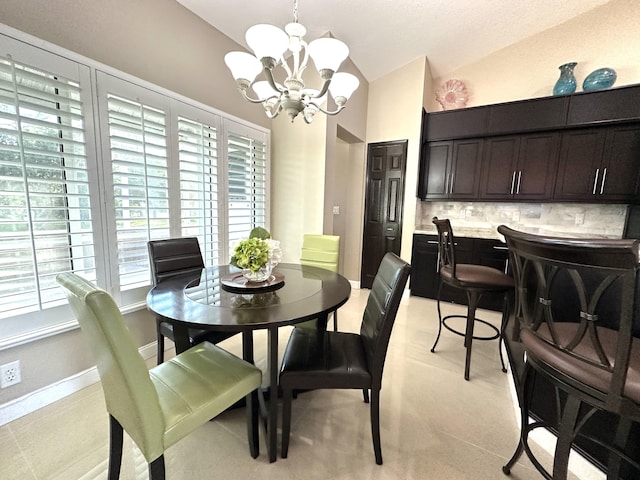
(475, 281)
(577, 319)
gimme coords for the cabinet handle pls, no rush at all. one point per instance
(604, 178)
(519, 177)
(595, 181)
(500, 248)
(432, 241)
(513, 182)
(451, 182)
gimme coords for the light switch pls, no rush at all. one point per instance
(336, 209)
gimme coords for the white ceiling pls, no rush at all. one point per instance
(384, 35)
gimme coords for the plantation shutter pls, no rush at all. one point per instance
(45, 210)
(247, 186)
(138, 147)
(199, 188)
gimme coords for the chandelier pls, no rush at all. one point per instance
(270, 45)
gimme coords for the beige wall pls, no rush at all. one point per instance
(395, 113)
(156, 40)
(607, 36)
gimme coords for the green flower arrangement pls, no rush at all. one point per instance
(252, 254)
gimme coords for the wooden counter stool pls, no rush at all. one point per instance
(475, 281)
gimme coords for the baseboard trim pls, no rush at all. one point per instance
(44, 396)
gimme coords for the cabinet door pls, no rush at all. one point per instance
(621, 171)
(435, 177)
(537, 165)
(498, 168)
(580, 157)
(466, 164)
(425, 279)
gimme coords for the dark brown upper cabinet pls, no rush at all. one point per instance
(520, 167)
(452, 170)
(583, 147)
(600, 164)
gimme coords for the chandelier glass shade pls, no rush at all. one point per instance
(273, 47)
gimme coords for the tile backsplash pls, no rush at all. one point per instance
(558, 219)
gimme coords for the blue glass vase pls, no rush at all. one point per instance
(599, 79)
(567, 82)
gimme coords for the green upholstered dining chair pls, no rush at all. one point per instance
(315, 360)
(322, 251)
(156, 407)
(178, 256)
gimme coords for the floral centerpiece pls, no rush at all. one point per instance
(257, 255)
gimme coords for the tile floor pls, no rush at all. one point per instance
(434, 424)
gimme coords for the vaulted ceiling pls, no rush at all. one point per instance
(384, 35)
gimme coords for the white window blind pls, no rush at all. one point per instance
(138, 147)
(199, 184)
(45, 206)
(247, 186)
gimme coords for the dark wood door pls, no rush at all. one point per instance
(384, 200)
(436, 173)
(580, 158)
(499, 168)
(464, 174)
(537, 164)
(620, 180)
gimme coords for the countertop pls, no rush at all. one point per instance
(488, 232)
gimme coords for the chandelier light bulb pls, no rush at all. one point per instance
(343, 85)
(267, 41)
(243, 66)
(328, 53)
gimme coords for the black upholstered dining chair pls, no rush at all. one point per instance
(577, 319)
(475, 281)
(168, 258)
(316, 359)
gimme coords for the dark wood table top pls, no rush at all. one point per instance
(204, 302)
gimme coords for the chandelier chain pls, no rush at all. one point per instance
(295, 11)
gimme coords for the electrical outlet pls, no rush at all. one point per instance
(10, 374)
(579, 218)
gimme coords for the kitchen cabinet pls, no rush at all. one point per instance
(452, 170)
(425, 279)
(581, 147)
(520, 167)
(600, 164)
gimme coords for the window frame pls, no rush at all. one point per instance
(24, 328)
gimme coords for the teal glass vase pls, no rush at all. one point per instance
(567, 82)
(599, 79)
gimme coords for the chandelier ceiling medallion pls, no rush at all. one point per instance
(270, 44)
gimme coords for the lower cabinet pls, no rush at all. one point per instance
(425, 279)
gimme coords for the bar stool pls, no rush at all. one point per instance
(475, 281)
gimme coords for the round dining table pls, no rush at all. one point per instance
(219, 298)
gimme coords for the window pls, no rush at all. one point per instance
(158, 166)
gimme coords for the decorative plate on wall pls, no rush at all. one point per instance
(452, 94)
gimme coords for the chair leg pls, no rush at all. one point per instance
(115, 448)
(566, 434)
(365, 395)
(523, 390)
(335, 321)
(503, 325)
(160, 345)
(375, 424)
(286, 422)
(473, 298)
(433, 349)
(156, 469)
(252, 423)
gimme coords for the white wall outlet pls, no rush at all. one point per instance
(10, 374)
(579, 218)
(516, 216)
(336, 209)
